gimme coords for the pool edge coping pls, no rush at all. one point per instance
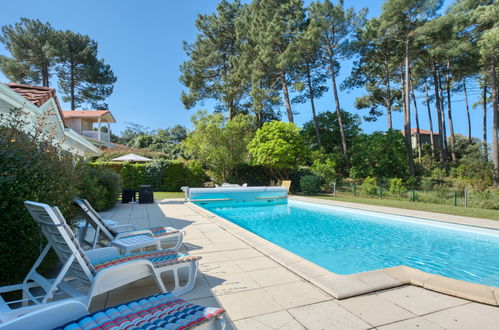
(346, 286)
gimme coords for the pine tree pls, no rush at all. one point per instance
(28, 42)
(399, 20)
(480, 19)
(374, 70)
(335, 26)
(268, 30)
(211, 69)
(82, 77)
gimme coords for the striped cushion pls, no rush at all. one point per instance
(163, 311)
(161, 231)
(156, 231)
(158, 258)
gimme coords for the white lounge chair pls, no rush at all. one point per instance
(120, 231)
(96, 271)
(163, 311)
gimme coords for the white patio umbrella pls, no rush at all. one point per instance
(132, 158)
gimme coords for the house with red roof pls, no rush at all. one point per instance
(41, 103)
(94, 125)
(424, 136)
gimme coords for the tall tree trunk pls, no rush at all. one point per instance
(444, 122)
(418, 132)
(72, 86)
(230, 109)
(467, 109)
(449, 114)
(485, 149)
(287, 102)
(429, 120)
(312, 104)
(407, 117)
(495, 122)
(45, 76)
(338, 113)
(439, 116)
(388, 95)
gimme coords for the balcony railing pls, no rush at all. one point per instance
(104, 136)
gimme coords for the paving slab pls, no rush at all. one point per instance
(296, 294)
(277, 320)
(420, 301)
(469, 316)
(250, 303)
(327, 315)
(417, 323)
(375, 310)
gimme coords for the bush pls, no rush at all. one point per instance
(310, 184)
(253, 175)
(324, 165)
(397, 186)
(369, 186)
(154, 173)
(32, 168)
(175, 176)
(162, 175)
(196, 175)
(295, 177)
(100, 186)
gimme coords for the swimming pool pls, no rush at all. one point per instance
(348, 241)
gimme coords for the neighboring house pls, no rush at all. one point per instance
(83, 123)
(424, 136)
(41, 102)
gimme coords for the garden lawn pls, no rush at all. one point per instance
(429, 207)
(168, 194)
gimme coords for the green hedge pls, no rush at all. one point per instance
(310, 184)
(162, 175)
(100, 186)
(252, 175)
(32, 169)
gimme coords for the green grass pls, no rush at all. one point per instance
(429, 207)
(168, 194)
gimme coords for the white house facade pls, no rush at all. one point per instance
(41, 102)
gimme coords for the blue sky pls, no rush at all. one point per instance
(142, 41)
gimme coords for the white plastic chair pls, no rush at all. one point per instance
(120, 231)
(96, 271)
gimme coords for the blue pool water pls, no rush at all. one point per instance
(347, 241)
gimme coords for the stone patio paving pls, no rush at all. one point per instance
(259, 293)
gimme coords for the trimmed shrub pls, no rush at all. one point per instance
(295, 177)
(154, 173)
(162, 175)
(32, 168)
(369, 186)
(132, 174)
(100, 186)
(310, 184)
(196, 175)
(253, 175)
(397, 186)
(175, 176)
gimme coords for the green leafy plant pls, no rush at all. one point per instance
(33, 167)
(397, 186)
(100, 186)
(310, 184)
(279, 147)
(369, 186)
